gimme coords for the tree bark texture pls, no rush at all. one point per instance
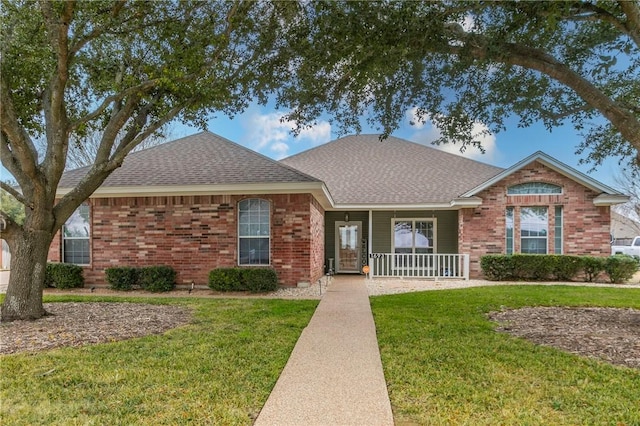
(23, 300)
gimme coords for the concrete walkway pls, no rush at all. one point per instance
(334, 375)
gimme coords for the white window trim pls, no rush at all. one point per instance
(434, 220)
(547, 251)
(88, 238)
(511, 246)
(254, 236)
(535, 193)
(555, 229)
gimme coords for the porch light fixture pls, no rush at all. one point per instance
(346, 217)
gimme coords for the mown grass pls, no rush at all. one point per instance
(217, 370)
(445, 364)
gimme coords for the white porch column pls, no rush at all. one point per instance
(370, 243)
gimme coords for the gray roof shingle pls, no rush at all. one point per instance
(361, 169)
(200, 159)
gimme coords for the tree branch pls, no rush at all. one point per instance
(475, 46)
(140, 88)
(15, 194)
(56, 120)
(565, 114)
(632, 11)
(11, 227)
(98, 30)
(21, 159)
(101, 170)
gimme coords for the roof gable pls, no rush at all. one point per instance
(200, 159)
(553, 164)
(362, 170)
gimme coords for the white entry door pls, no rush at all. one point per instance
(348, 247)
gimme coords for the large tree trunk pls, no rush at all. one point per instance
(26, 282)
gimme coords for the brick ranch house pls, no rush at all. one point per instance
(400, 208)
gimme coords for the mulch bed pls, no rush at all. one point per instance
(609, 334)
(77, 324)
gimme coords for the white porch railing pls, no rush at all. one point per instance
(419, 265)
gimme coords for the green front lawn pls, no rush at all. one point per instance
(444, 364)
(217, 370)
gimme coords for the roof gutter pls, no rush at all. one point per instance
(610, 199)
(317, 189)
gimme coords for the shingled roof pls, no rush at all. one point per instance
(362, 170)
(200, 159)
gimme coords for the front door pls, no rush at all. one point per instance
(348, 247)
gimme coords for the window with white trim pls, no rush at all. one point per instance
(413, 236)
(534, 224)
(534, 188)
(254, 231)
(75, 237)
(558, 230)
(509, 230)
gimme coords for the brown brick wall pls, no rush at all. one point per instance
(317, 241)
(195, 234)
(586, 227)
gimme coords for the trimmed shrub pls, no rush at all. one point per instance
(258, 280)
(255, 280)
(620, 268)
(497, 267)
(565, 268)
(592, 267)
(63, 275)
(157, 278)
(122, 278)
(226, 279)
(532, 266)
(540, 267)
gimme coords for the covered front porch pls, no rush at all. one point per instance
(394, 243)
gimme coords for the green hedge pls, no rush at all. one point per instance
(535, 267)
(226, 279)
(157, 278)
(122, 278)
(592, 267)
(620, 268)
(259, 280)
(255, 280)
(63, 275)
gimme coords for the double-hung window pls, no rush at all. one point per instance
(254, 232)
(414, 236)
(75, 237)
(534, 225)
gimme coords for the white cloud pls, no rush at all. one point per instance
(413, 119)
(318, 134)
(468, 23)
(280, 150)
(272, 133)
(427, 133)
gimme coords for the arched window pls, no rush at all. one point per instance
(536, 188)
(254, 231)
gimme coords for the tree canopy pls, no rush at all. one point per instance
(118, 70)
(460, 62)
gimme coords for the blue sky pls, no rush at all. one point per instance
(260, 128)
